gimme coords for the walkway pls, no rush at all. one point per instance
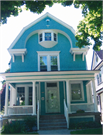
(56, 132)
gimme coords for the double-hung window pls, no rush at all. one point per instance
(43, 63)
(77, 91)
(48, 61)
(53, 63)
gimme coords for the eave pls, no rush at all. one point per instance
(50, 76)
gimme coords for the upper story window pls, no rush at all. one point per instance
(99, 78)
(48, 61)
(96, 58)
(54, 65)
(47, 38)
(40, 37)
(43, 63)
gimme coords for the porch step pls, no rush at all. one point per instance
(49, 122)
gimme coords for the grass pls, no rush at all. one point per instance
(88, 131)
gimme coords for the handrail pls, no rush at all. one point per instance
(66, 113)
(38, 115)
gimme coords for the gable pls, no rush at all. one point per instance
(42, 24)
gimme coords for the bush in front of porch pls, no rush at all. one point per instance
(20, 126)
(85, 125)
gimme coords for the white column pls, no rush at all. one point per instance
(94, 94)
(13, 95)
(6, 99)
(10, 96)
(68, 95)
(101, 96)
(26, 95)
(34, 99)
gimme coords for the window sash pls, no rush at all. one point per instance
(47, 36)
(76, 91)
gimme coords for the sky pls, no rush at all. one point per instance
(9, 31)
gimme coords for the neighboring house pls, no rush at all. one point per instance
(49, 72)
(97, 64)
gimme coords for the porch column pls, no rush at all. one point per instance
(68, 95)
(6, 99)
(26, 95)
(94, 93)
(34, 99)
(101, 108)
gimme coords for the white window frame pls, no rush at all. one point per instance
(48, 31)
(82, 90)
(48, 54)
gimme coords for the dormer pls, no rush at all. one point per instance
(47, 38)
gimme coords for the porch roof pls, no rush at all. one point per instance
(50, 76)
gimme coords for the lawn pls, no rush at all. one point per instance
(88, 131)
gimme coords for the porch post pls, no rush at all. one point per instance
(26, 95)
(95, 98)
(34, 99)
(6, 99)
(68, 95)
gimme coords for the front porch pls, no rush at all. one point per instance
(43, 93)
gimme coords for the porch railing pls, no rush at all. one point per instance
(66, 113)
(38, 115)
(20, 110)
(83, 106)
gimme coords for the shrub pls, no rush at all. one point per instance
(30, 123)
(84, 125)
(14, 127)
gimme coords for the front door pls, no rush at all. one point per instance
(52, 100)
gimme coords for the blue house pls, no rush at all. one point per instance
(49, 75)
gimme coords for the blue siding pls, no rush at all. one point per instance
(31, 58)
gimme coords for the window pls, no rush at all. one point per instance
(55, 37)
(40, 37)
(51, 84)
(47, 36)
(48, 61)
(96, 58)
(20, 96)
(99, 78)
(30, 95)
(54, 66)
(43, 63)
(76, 92)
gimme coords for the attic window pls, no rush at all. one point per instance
(47, 36)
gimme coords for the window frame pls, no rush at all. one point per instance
(43, 36)
(82, 90)
(48, 54)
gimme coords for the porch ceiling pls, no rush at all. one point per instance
(50, 76)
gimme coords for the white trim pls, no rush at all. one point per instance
(48, 54)
(73, 56)
(36, 21)
(17, 51)
(79, 51)
(52, 73)
(13, 58)
(83, 56)
(82, 89)
(22, 58)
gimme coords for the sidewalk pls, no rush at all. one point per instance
(56, 132)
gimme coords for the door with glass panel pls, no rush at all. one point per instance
(52, 98)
